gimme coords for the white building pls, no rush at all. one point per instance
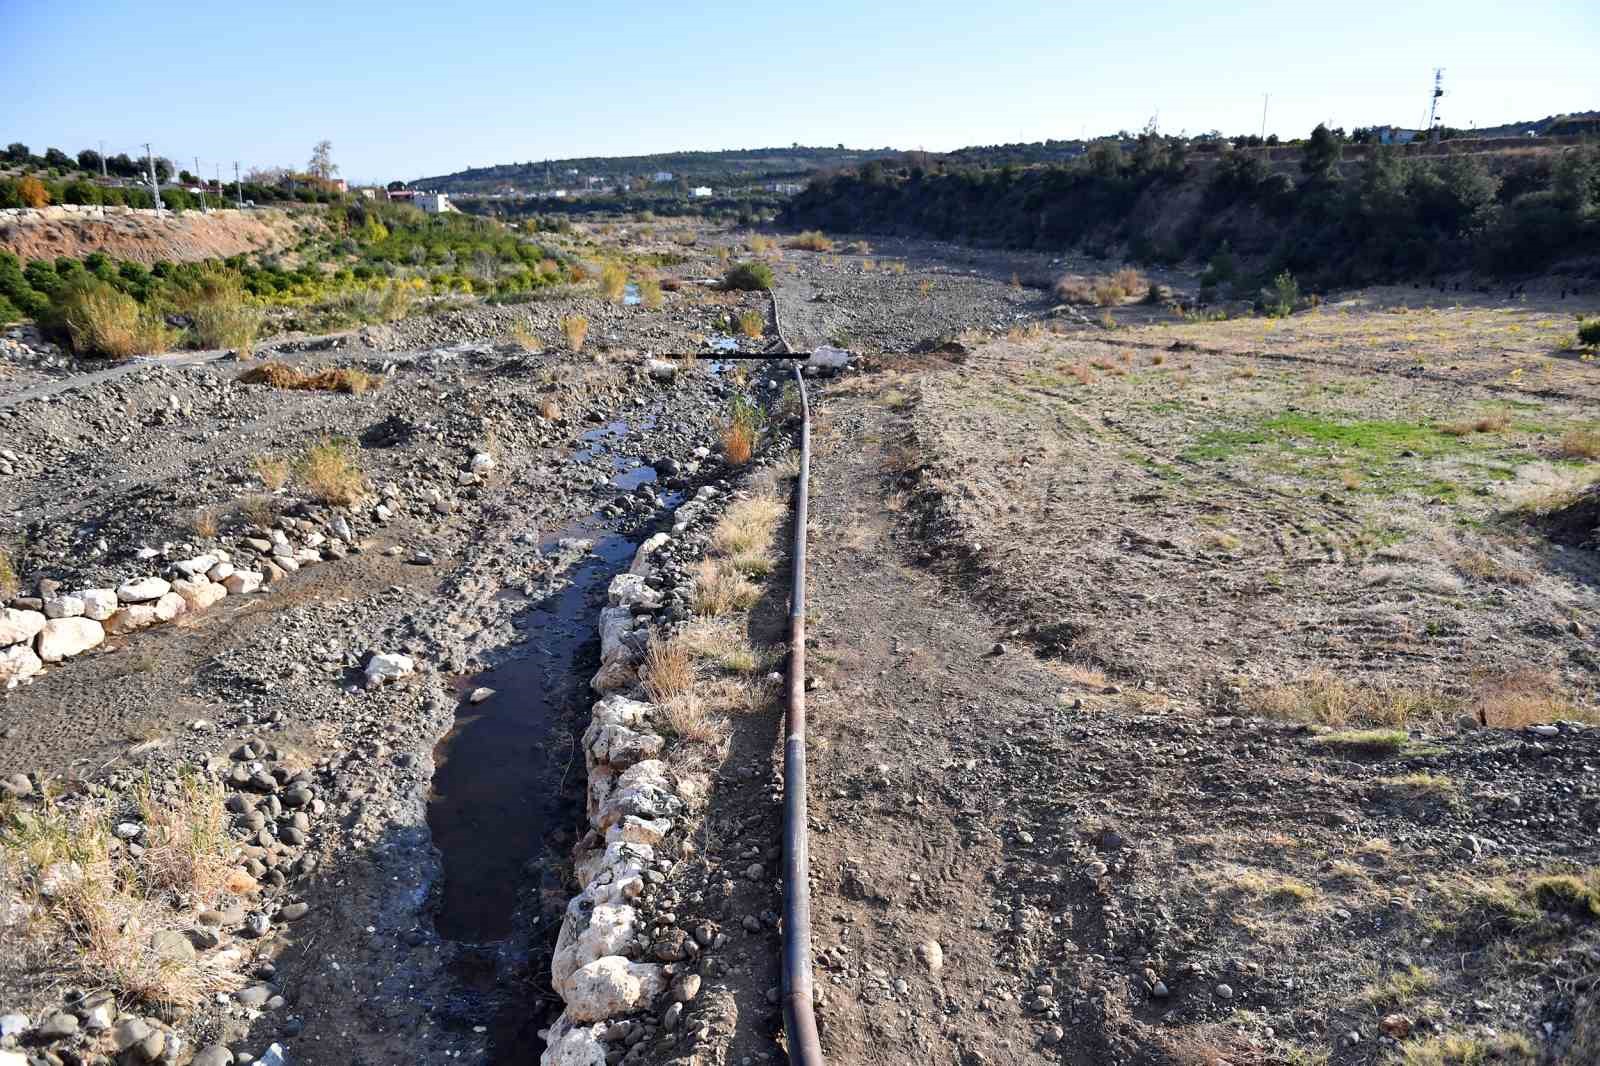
(662, 177)
(701, 192)
(434, 203)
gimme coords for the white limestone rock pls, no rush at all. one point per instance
(630, 591)
(611, 986)
(591, 931)
(221, 571)
(192, 568)
(98, 604)
(19, 627)
(143, 589)
(170, 606)
(199, 593)
(571, 1043)
(62, 638)
(64, 606)
(17, 664)
(387, 666)
(241, 582)
(132, 617)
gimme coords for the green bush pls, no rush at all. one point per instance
(1285, 295)
(1589, 332)
(100, 320)
(8, 312)
(748, 276)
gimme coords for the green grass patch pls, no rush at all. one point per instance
(1369, 742)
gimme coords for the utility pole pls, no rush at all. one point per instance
(1433, 105)
(103, 159)
(198, 180)
(238, 189)
(222, 202)
(155, 186)
(1264, 98)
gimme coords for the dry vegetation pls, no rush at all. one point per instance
(575, 328)
(328, 473)
(99, 912)
(1107, 291)
(346, 380)
(810, 241)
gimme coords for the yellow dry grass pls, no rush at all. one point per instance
(273, 471)
(345, 380)
(329, 474)
(575, 328)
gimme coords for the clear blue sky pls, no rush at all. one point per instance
(404, 90)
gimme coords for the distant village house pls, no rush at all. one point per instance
(701, 192)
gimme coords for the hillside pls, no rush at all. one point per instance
(1393, 215)
(796, 162)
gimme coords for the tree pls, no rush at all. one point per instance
(33, 192)
(17, 152)
(122, 166)
(1320, 160)
(322, 164)
(164, 169)
(55, 157)
(89, 160)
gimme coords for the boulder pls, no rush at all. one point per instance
(18, 663)
(387, 666)
(630, 590)
(192, 568)
(591, 931)
(200, 593)
(170, 606)
(63, 607)
(571, 1043)
(62, 638)
(241, 582)
(143, 589)
(98, 604)
(611, 986)
(661, 369)
(220, 571)
(19, 627)
(132, 617)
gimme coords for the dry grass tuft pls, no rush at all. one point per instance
(1524, 697)
(95, 907)
(272, 470)
(575, 328)
(1505, 1049)
(203, 523)
(1494, 422)
(347, 380)
(523, 333)
(752, 324)
(549, 409)
(329, 473)
(810, 241)
(719, 589)
(1326, 699)
(8, 575)
(738, 442)
(650, 294)
(668, 669)
(1400, 988)
(1579, 444)
(613, 281)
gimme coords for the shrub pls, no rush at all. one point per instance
(222, 313)
(721, 589)
(748, 277)
(575, 328)
(1285, 295)
(650, 293)
(1589, 332)
(32, 193)
(8, 575)
(613, 281)
(99, 320)
(810, 241)
(752, 323)
(1579, 444)
(279, 376)
(329, 474)
(396, 302)
(272, 470)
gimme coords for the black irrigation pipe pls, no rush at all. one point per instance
(799, 1021)
(799, 1017)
